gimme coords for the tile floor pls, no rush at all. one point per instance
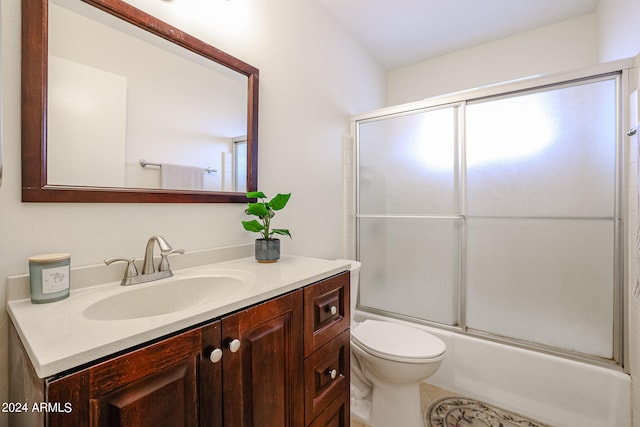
(428, 393)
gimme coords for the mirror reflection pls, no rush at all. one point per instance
(121, 107)
(128, 109)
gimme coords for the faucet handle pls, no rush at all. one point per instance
(164, 261)
(131, 270)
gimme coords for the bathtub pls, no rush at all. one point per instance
(551, 389)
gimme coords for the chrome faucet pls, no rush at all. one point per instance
(165, 251)
(149, 272)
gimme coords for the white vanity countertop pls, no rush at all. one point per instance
(58, 336)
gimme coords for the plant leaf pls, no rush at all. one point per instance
(258, 209)
(252, 225)
(279, 202)
(256, 195)
(281, 231)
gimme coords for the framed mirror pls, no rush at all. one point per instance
(119, 106)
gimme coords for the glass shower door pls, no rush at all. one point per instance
(499, 216)
(408, 214)
(541, 180)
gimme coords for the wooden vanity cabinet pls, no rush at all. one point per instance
(326, 349)
(265, 377)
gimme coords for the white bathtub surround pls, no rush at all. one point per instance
(634, 196)
(553, 390)
(348, 196)
(632, 363)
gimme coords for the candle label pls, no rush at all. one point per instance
(55, 279)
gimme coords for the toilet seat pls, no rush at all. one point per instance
(397, 342)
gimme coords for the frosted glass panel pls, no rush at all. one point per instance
(543, 154)
(535, 240)
(546, 281)
(407, 164)
(410, 266)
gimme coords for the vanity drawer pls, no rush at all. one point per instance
(326, 311)
(336, 415)
(326, 376)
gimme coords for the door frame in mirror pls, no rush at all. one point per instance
(34, 112)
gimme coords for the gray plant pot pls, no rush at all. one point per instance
(267, 250)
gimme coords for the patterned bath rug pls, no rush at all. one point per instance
(464, 412)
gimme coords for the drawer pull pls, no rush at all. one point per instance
(333, 310)
(332, 373)
(216, 355)
(234, 345)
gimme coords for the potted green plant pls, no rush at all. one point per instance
(267, 247)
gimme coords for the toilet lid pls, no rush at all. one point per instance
(397, 341)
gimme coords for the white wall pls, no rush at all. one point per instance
(313, 76)
(612, 32)
(619, 37)
(85, 145)
(618, 29)
(567, 45)
(633, 259)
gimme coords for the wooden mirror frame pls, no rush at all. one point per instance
(34, 112)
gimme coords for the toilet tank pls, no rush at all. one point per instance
(355, 281)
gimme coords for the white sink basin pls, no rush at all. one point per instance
(164, 297)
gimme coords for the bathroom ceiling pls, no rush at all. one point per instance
(403, 32)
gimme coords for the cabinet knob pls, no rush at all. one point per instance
(216, 355)
(332, 373)
(234, 345)
(333, 310)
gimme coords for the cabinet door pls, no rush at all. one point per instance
(157, 385)
(263, 378)
(154, 386)
(168, 397)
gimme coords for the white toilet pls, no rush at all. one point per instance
(388, 362)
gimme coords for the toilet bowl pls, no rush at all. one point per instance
(388, 362)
